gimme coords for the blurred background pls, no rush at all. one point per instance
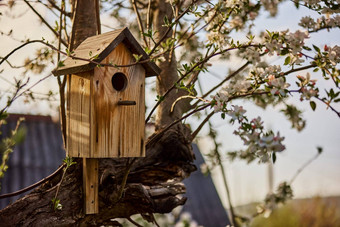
(249, 183)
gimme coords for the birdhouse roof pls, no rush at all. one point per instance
(99, 47)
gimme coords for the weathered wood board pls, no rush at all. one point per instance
(119, 130)
(78, 125)
(90, 181)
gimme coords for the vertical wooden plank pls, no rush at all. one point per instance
(68, 140)
(90, 185)
(79, 115)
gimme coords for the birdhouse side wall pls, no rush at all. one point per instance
(118, 130)
(78, 114)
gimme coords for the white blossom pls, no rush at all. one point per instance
(236, 22)
(217, 38)
(278, 85)
(334, 55)
(272, 143)
(237, 113)
(252, 55)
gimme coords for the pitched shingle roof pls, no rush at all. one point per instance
(101, 46)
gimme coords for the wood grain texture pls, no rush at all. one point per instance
(118, 131)
(78, 127)
(90, 185)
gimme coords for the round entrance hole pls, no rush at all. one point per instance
(119, 81)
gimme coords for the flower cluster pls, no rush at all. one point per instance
(218, 39)
(333, 54)
(252, 55)
(320, 23)
(286, 42)
(307, 87)
(220, 100)
(278, 86)
(283, 193)
(319, 6)
(236, 86)
(271, 6)
(259, 144)
(295, 41)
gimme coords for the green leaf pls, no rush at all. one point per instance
(287, 60)
(61, 64)
(306, 48)
(147, 50)
(166, 21)
(137, 57)
(316, 48)
(69, 161)
(313, 105)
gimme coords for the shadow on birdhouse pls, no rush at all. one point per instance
(105, 104)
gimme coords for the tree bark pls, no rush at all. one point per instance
(168, 76)
(147, 190)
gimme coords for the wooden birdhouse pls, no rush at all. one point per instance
(105, 104)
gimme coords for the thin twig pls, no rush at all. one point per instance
(158, 135)
(44, 21)
(33, 185)
(194, 134)
(169, 29)
(133, 222)
(99, 30)
(328, 105)
(304, 166)
(129, 163)
(139, 20)
(185, 97)
(18, 48)
(187, 73)
(148, 18)
(226, 79)
(61, 10)
(62, 84)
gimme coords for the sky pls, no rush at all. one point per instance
(248, 183)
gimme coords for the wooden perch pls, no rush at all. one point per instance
(147, 190)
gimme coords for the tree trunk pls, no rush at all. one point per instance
(168, 76)
(147, 190)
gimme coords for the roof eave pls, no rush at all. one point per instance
(151, 69)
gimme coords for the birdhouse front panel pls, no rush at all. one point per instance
(118, 107)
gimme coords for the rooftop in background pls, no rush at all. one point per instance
(42, 152)
(38, 156)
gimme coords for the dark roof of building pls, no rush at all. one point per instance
(203, 202)
(101, 46)
(37, 157)
(42, 152)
